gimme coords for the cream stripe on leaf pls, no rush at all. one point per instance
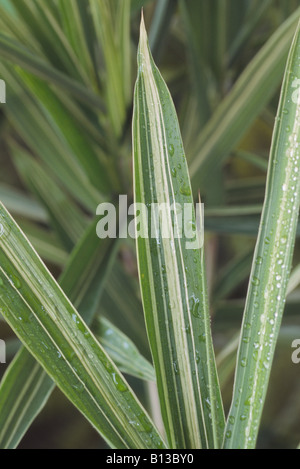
(49, 326)
(271, 265)
(172, 276)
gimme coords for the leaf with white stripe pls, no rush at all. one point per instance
(49, 326)
(25, 387)
(172, 277)
(271, 265)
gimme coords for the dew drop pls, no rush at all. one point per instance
(15, 281)
(108, 366)
(259, 260)
(119, 383)
(185, 190)
(248, 401)
(255, 281)
(231, 419)
(195, 306)
(78, 387)
(175, 366)
(202, 338)
(171, 150)
(244, 362)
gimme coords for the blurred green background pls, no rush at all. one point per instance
(65, 147)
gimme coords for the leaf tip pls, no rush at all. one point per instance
(143, 32)
(143, 50)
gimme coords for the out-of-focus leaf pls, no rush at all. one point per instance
(122, 350)
(242, 105)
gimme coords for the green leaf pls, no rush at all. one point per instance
(71, 131)
(232, 275)
(24, 390)
(160, 23)
(242, 105)
(33, 124)
(82, 280)
(17, 54)
(45, 243)
(111, 23)
(122, 350)
(46, 322)
(271, 266)
(43, 20)
(172, 276)
(294, 280)
(122, 305)
(74, 28)
(257, 10)
(66, 218)
(21, 204)
(192, 12)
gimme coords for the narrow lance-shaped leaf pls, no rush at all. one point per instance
(172, 276)
(24, 394)
(271, 266)
(50, 327)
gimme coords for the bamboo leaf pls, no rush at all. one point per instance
(172, 277)
(47, 323)
(271, 265)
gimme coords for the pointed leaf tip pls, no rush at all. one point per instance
(143, 32)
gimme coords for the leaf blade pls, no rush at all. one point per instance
(174, 332)
(270, 268)
(64, 345)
